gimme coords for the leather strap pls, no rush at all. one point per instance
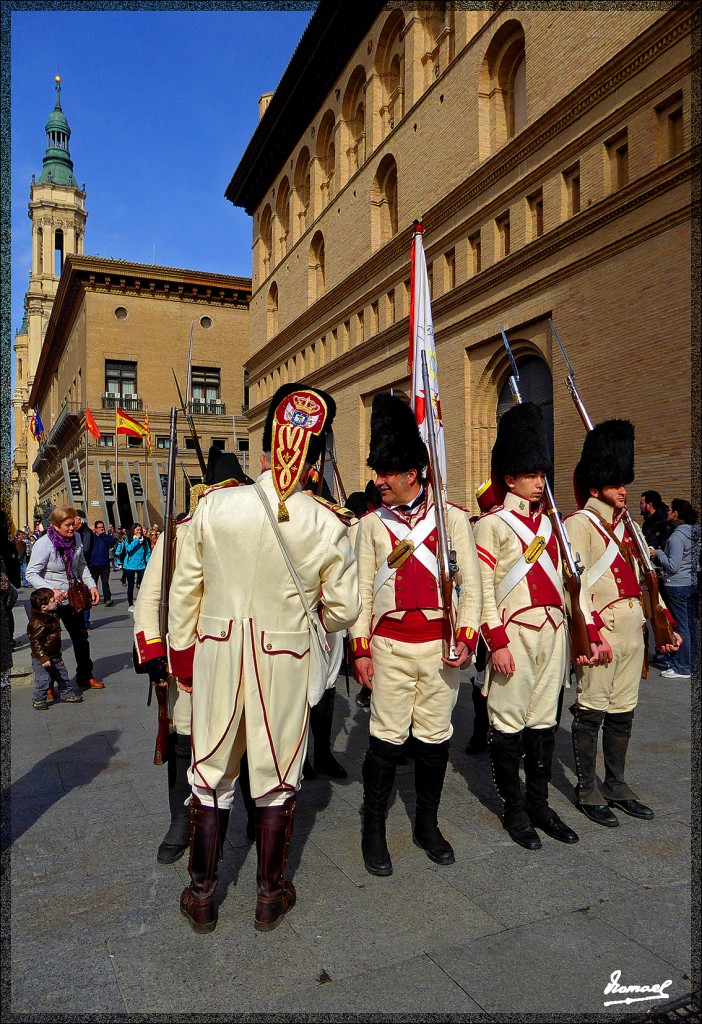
(418, 535)
(520, 569)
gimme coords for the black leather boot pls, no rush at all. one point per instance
(177, 838)
(585, 731)
(321, 719)
(274, 896)
(379, 769)
(249, 803)
(616, 733)
(207, 826)
(504, 750)
(478, 743)
(430, 760)
(538, 757)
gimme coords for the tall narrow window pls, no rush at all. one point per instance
(391, 306)
(503, 234)
(360, 328)
(617, 161)
(502, 90)
(120, 384)
(58, 252)
(354, 111)
(571, 190)
(535, 203)
(375, 317)
(390, 68)
(266, 241)
(384, 216)
(476, 259)
(450, 270)
(670, 128)
(326, 155)
(205, 390)
(302, 188)
(272, 312)
(282, 209)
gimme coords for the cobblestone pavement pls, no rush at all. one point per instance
(96, 926)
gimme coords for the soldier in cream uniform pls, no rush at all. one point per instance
(524, 626)
(222, 469)
(396, 644)
(239, 638)
(608, 695)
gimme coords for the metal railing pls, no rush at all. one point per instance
(126, 402)
(204, 408)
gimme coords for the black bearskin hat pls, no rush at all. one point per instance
(521, 445)
(223, 466)
(318, 442)
(395, 442)
(607, 458)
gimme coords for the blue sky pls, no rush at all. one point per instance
(161, 106)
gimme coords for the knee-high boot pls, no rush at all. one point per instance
(584, 732)
(430, 761)
(274, 896)
(208, 826)
(379, 769)
(321, 720)
(249, 802)
(539, 745)
(478, 743)
(616, 733)
(177, 838)
(504, 750)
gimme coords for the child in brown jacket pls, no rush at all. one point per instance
(44, 634)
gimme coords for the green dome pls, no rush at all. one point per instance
(57, 163)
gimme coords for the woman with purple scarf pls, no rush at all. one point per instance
(58, 560)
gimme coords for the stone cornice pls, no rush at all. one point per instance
(667, 31)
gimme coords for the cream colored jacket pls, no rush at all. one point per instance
(237, 626)
(147, 631)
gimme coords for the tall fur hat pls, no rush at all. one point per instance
(395, 442)
(223, 466)
(607, 458)
(317, 443)
(521, 445)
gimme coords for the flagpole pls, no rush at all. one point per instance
(146, 466)
(86, 471)
(118, 517)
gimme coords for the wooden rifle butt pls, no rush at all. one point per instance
(161, 752)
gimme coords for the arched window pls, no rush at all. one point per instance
(315, 278)
(354, 113)
(535, 385)
(282, 209)
(58, 252)
(390, 67)
(40, 250)
(326, 155)
(302, 188)
(384, 222)
(502, 93)
(266, 241)
(272, 312)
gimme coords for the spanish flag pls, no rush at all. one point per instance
(126, 425)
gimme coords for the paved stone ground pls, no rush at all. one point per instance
(96, 926)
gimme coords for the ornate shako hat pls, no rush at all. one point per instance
(521, 446)
(297, 425)
(395, 442)
(607, 458)
(223, 466)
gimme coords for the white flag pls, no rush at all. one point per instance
(422, 340)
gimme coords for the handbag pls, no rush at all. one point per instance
(320, 651)
(79, 596)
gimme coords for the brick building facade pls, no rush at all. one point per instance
(549, 156)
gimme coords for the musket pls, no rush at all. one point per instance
(662, 628)
(580, 641)
(191, 427)
(448, 567)
(320, 481)
(169, 537)
(337, 476)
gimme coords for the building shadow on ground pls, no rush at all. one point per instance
(33, 794)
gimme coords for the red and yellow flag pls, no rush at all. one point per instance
(148, 433)
(90, 424)
(129, 426)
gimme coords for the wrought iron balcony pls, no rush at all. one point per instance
(215, 407)
(129, 403)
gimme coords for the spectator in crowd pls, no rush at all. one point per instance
(24, 549)
(86, 537)
(135, 557)
(680, 562)
(111, 533)
(119, 554)
(10, 556)
(44, 632)
(57, 561)
(38, 530)
(99, 560)
(655, 519)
